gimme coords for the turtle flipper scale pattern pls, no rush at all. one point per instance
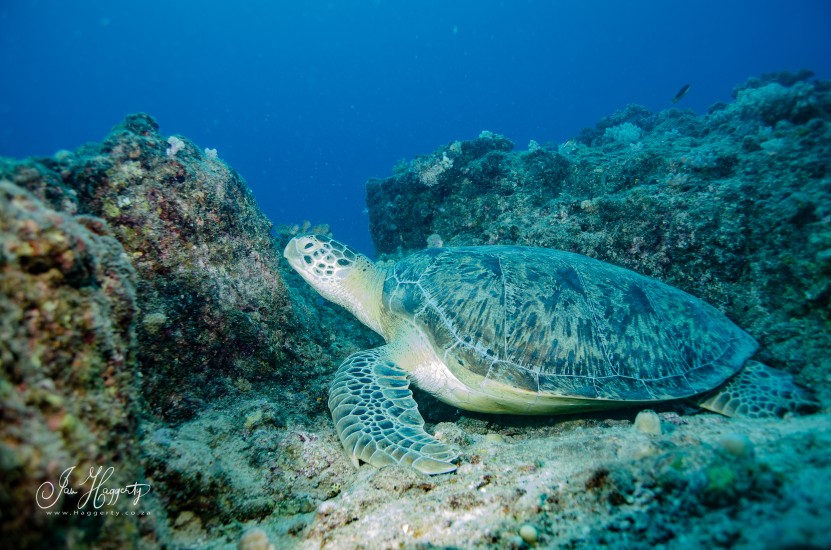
(377, 419)
(759, 391)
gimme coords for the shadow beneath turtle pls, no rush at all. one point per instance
(434, 412)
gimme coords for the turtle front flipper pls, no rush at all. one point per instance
(377, 419)
(759, 391)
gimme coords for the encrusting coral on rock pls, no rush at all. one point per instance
(215, 313)
(69, 383)
(150, 276)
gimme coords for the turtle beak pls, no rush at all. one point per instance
(292, 253)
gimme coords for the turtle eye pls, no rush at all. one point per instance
(308, 246)
(343, 262)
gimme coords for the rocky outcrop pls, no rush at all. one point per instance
(69, 380)
(215, 314)
(139, 282)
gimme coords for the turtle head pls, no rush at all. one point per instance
(339, 274)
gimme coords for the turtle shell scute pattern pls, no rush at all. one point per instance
(558, 323)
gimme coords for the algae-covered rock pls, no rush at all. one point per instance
(249, 460)
(68, 376)
(587, 483)
(164, 292)
(733, 207)
(215, 312)
(214, 307)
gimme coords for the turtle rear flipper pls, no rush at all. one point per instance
(759, 391)
(377, 419)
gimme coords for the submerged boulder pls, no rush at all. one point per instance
(215, 314)
(140, 282)
(68, 377)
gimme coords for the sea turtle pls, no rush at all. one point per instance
(520, 330)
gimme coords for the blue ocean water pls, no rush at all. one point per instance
(308, 99)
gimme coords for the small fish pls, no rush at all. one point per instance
(681, 93)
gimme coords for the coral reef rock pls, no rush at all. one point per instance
(215, 312)
(68, 374)
(141, 281)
